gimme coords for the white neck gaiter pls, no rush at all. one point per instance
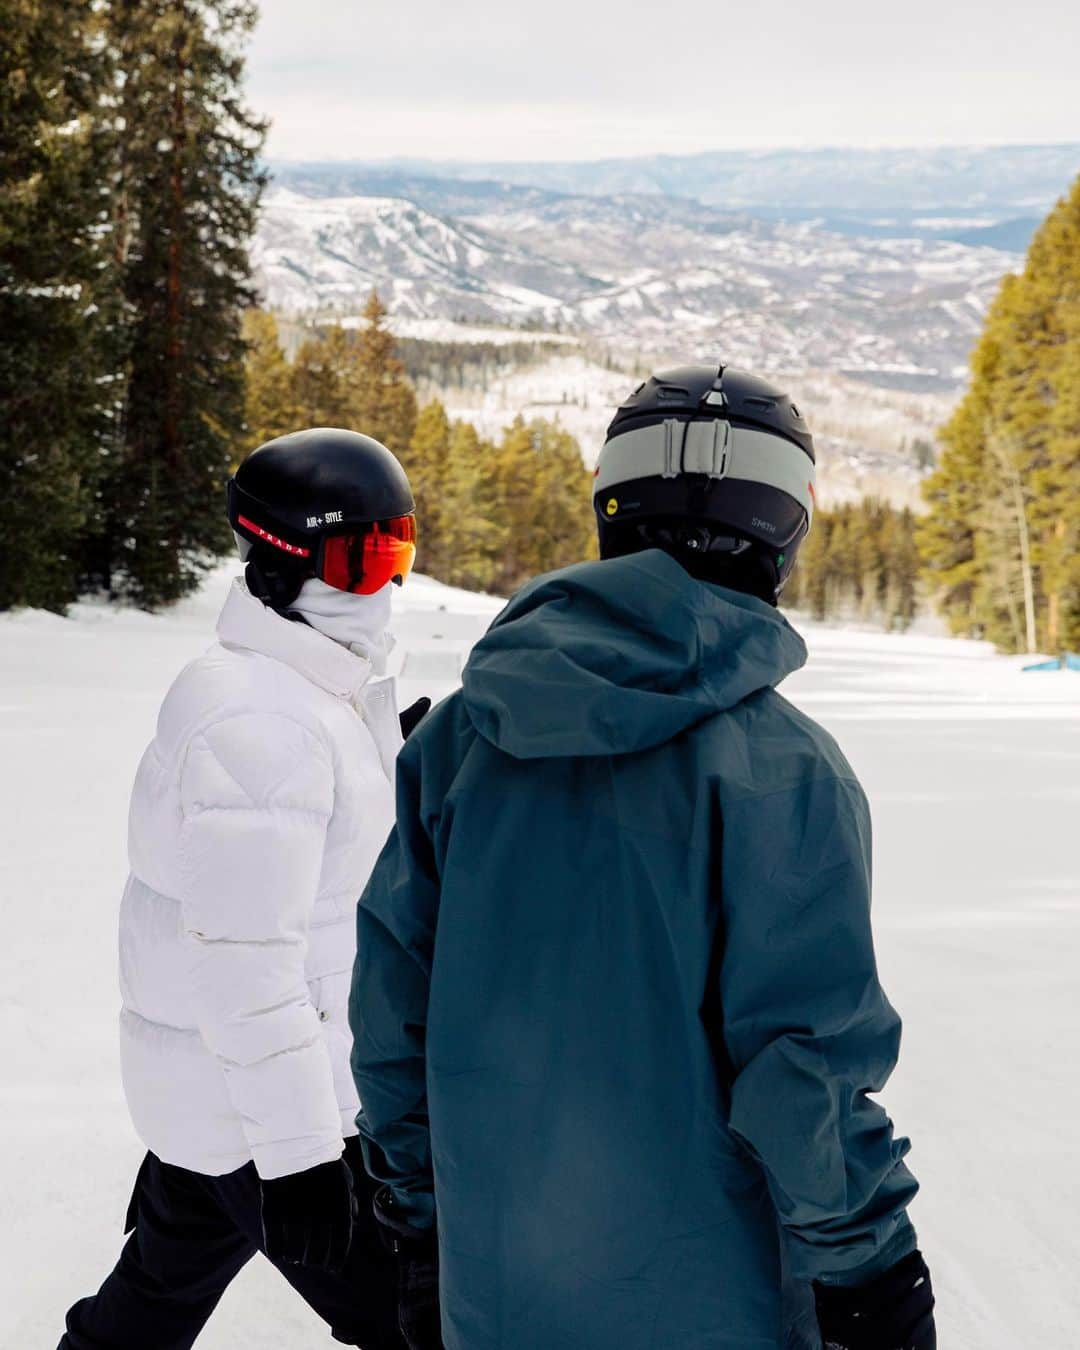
(359, 622)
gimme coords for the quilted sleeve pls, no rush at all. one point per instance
(257, 792)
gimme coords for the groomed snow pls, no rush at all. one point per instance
(972, 769)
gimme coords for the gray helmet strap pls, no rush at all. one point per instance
(710, 446)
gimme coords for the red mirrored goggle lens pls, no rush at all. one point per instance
(364, 563)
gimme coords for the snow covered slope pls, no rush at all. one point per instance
(971, 767)
(329, 253)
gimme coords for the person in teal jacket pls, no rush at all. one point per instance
(616, 1012)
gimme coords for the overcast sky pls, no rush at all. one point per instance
(579, 79)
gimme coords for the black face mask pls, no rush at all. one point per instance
(276, 584)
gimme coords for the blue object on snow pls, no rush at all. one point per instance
(1067, 661)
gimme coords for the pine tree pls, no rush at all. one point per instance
(269, 407)
(323, 379)
(52, 366)
(842, 565)
(354, 379)
(1053, 275)
(544, 501)
(808, 585)
(1000, 537)
(472, 533)
(426, 463)
(1061, 548)
(186, 189)
(385, 404)
(514, 473)
(946, 534)
(858, 561)
(900, 568)
(564, 515)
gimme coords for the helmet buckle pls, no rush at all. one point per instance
(673, 443)
(705, 447)
(696, 447)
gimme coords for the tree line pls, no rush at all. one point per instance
(859, 562)
(129, 186)
(1000, 542)
(449, 364)
(134, 372)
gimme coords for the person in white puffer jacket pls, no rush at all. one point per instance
(258, 812)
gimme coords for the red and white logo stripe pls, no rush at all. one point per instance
(269, 538)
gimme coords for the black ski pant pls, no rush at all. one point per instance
(190, 1234)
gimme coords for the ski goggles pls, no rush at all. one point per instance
(363, 563)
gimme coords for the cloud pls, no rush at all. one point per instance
(480, 79)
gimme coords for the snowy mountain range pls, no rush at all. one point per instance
(983, 194)
(873, 263)
(644, 274)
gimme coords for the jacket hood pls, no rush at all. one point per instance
(606, 658)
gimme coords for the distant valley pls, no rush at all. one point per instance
(847, 268)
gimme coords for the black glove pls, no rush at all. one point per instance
(417, 1253)
(412, 717)
(307, 1217)
(895, 1311)
(363, 1187)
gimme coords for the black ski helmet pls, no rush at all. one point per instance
(714, 466)
(295, 491)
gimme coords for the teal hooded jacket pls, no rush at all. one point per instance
(616, 1014)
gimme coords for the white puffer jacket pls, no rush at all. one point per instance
(257, 815)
